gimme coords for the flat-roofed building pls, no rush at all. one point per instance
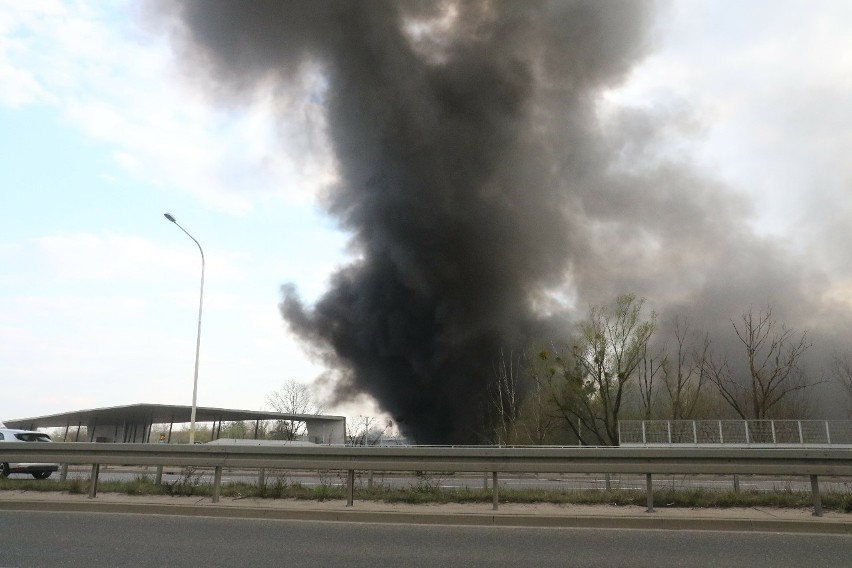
(134, 423)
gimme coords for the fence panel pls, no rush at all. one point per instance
(736, 432)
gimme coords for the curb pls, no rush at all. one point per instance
(466, 519)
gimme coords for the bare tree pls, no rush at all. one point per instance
(537, 417)
(292, 397)
(519, 409)
(647, 371)
(686, 373)
(588, 383)
(366, 431)
(841, 371)
(772, 372)
(504, 400)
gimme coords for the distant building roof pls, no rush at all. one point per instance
(158, 414)
(134, 422)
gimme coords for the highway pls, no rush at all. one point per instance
(104, 539)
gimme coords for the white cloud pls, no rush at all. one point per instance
(120, 84)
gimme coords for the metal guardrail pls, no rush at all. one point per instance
(735, 433)
(811, 462)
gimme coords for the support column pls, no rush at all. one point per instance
(93, 481)
(495, 497)
(817, 499)
(217, 483)
(649, 488)
(350, 488)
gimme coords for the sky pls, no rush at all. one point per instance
(102, 132)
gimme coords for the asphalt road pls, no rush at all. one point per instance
(101, 539)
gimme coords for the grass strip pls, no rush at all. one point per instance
(189, 484)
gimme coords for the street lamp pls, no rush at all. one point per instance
(198, 339)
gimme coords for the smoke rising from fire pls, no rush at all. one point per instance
(487, 196)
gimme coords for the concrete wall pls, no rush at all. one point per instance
(327, 431)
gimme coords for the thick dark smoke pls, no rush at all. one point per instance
(485, 193)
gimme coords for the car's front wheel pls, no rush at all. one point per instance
(41, 474)
(4, 470)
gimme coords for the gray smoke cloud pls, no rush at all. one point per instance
(488, 200)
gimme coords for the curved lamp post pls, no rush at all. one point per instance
(198, 339)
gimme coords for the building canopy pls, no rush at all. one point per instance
(141, 417)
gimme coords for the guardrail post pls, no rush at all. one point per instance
(746, 432)
(801, 437)
(63, 472)
(817, 499)
(350, 488)
(644, 439)
(485, 481)
(261, 477)
(721, 436)
(158, 479)
(649, 488)
(736, 483)
(495, 499)
(93, 481)
(607, 482)
(827, 433)
(772, 425)
(669, 430)
(217, 483)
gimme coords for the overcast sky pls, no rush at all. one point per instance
(101, 133)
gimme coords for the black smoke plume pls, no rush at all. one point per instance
(484, 192)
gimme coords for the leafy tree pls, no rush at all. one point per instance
(588, 382)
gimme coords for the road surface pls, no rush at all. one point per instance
(101, 539)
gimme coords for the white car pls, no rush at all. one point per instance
(37, 470)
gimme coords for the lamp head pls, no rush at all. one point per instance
(169, 217)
